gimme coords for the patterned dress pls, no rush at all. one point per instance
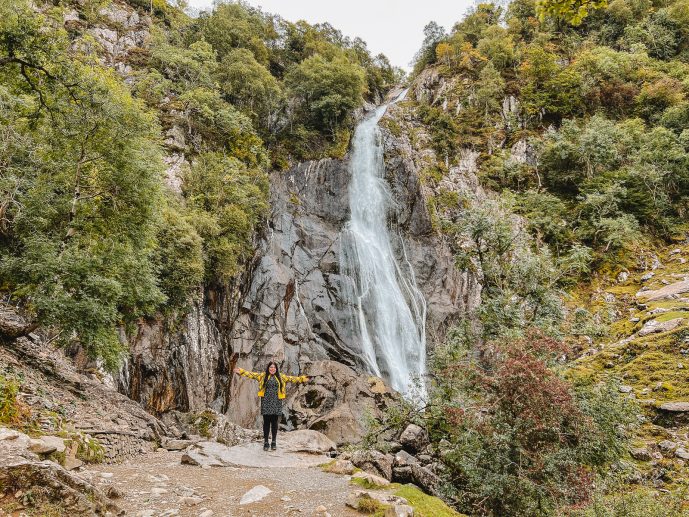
(270, 403)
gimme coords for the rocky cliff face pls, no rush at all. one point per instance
(291, 307)
(288, 306)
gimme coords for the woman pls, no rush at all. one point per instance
(271, 390)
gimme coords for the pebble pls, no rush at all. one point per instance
(321, 509)
(157, 491)
(285, 498)
(190, 500)
(206, 513)
(106, 475)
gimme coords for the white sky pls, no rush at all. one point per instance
(392, 27)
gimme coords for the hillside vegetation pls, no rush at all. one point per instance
(576, 121)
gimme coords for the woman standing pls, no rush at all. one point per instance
(271, 390)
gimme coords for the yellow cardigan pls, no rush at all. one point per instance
(260, 377)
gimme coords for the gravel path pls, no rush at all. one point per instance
(157, 484)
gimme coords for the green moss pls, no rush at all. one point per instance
(393, 126)
(364, 483)
(203, 422)
(425, 505)
(371, 506)
(340, 145)
(447, 199)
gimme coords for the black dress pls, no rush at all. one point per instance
(270, 403)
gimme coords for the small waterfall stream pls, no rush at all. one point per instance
(390, 309)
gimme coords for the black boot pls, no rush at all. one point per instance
(273, 446)
(265, 446)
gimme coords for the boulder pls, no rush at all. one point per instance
(655, 326)
(307, 440)
(399, 510)
(640, 453)
(22, 471)
(47, 445)
(425, 478)
(673, 413)
(413, 438)
(177, 445)
(666, 292)
(402, 474)
(382, 497)
(403, 459)
(374, 461)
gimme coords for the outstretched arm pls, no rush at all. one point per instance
(296, 380)
(248, 374)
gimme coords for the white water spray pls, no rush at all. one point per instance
(391, 311)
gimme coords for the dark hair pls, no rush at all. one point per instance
(277, 374)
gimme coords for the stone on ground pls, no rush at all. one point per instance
(255, 494)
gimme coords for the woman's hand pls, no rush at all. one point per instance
(237, 370)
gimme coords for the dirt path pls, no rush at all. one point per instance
(157, 484)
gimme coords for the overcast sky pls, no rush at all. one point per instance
(394, 28)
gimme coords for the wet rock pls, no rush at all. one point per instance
(625, 389)
(413, 438)
(255, 494)
(647, 277)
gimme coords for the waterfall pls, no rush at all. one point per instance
(389, 310)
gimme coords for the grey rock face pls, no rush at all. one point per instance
(289, 307)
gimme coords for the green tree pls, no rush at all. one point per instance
(249, 85)
(227, 200)
(571, 11)
(327, 90)
(80, 168)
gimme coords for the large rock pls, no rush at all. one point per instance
(336, 401)
(373, 461)
(413, 438)
(291, 307)
(46, 481)
(307, 440)
(213, 454)
(655, 326)
(666, 292)
(425, 478)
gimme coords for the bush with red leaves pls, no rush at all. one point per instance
(523, 441)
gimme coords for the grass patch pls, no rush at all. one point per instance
(365, 483)
(369, 505)
(425, 505)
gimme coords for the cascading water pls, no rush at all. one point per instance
(390, 310)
